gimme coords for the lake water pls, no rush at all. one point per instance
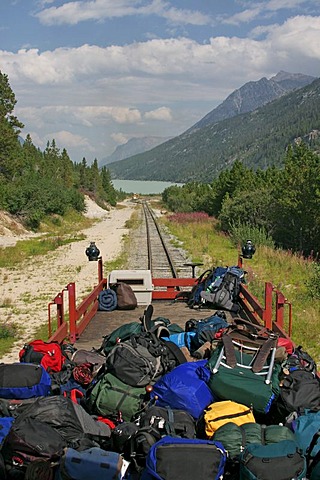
(141, 187)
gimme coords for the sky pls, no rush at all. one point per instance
(92, 74)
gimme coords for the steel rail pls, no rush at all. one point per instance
(153, 249)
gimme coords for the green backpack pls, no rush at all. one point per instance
(236, 437)
(122, 333)
(110, 397)
(276, 461)
(242, 385)
(160, 326)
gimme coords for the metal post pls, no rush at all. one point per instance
(100, 269)
(72, 312)
(58, 301)
(267, 314)
(280, 301)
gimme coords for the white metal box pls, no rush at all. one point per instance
(139, 280)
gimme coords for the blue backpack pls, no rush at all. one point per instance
(205, 330)
(182, 339)
(5, 426)
(185, 459)
(305, 427)
(225, 294)
(185, 388)
(24, 380)
(205, 281)
(92, 463)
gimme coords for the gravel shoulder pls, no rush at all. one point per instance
(27, 290)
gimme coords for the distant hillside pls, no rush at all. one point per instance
(258, 138)
(132, 147)
(253, 95)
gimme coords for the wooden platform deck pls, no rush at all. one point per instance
(104, 323)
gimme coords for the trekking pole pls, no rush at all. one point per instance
(273, 354)
(219, 360)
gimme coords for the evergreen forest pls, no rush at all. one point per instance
(35, 183)
(278, 207)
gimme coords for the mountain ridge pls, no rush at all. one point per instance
(252, 95)
(258, 138)
(132, 147)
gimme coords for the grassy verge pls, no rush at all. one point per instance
(288, 273)
(54, 232)
(204, 243)
(121, 261)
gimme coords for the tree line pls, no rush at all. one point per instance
(35, 183)
(276, 206)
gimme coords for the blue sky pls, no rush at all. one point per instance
(93, 74)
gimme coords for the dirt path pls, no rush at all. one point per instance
(27, 290)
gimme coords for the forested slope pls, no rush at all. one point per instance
(258, 139)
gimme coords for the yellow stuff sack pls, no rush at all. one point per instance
(220, 413)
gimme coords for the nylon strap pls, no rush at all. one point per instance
(263, 354)
(229, 352)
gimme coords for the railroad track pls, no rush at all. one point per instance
(154, 249)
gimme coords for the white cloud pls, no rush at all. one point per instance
(37, 140)
(102, 114)
(297, 38)
(68, 139)
(42, 3)
(87, 116)
(162, 113)
(245, 16)
(92, 90)
(63, 139)
(100, 72)
(119, 138)
(275, 5)
(96, 10)
(256, 9)
(175, 15)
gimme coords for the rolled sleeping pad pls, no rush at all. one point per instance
(107, 300)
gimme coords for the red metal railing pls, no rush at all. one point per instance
(271, 314)
(167, 288)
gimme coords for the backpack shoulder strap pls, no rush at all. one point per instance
(175, 351)
(146, 318)
(263, 354)
(204, 275)
(313, 461)
(229, 352)
(268, 344)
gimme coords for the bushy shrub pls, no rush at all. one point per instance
(240, 233)
(33, 219)
(7, 330)
(313, 283)
(76, 200)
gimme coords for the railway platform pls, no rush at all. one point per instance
(104, 323)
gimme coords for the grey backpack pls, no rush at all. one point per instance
(143, 359)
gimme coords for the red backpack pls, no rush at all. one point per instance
(47, 354)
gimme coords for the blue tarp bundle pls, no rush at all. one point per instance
(185, 388)
(108, 300)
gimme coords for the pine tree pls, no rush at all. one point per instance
(9, 130)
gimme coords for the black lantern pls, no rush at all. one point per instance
(92, 252)
(248, 249)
